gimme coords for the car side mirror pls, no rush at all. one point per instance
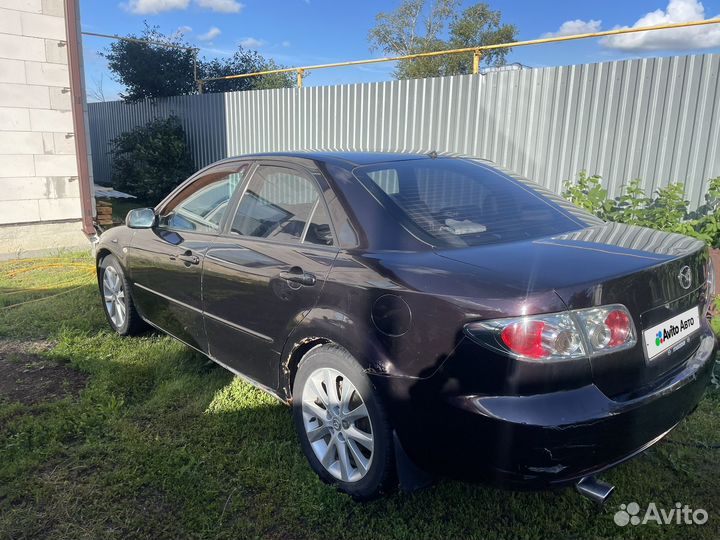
(141, 218)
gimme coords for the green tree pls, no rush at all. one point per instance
(243, 61)
(149, 70)
(152, 159)
(417, 27)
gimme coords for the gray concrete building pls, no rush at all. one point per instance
(41, 196)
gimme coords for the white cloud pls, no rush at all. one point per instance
(251, 43)
(210, 34)
(223, 6)
(182, 30)
(149, 7)
(577, 26)
(676, 39)
(285, 43)
(217, 52)
(153, 7)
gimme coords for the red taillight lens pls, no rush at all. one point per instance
(525, 338)
(619, 324)
(559, 336)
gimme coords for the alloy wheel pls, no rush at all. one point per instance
(337, 425)
(114, 296)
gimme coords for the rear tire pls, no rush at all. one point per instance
(341, 423)
(117, 301)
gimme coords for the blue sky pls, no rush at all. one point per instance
(302, 32)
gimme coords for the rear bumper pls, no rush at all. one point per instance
(542, 440)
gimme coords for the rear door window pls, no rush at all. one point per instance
(282, 204)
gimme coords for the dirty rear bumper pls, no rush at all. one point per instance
(545, 440)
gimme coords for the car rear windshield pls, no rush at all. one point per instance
(458, 202)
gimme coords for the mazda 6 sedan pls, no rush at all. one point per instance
(424, 316)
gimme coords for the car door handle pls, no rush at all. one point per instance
(296, 275)
(187, 257)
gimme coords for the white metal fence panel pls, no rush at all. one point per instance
(657, 119)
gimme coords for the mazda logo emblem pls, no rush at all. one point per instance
(685, 277)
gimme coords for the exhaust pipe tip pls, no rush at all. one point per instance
(595, 490)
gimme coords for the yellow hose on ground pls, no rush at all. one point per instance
(79, 273)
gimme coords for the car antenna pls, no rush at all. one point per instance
(432, 154)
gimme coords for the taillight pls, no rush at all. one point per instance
(524, 338)
(620, 327)
(559, 336)
(606, 327)
(533, 338)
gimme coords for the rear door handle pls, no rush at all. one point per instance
(188, 258)
(296, 275)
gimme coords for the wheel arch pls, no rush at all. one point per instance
(100, 255)
(325, 325)
(102, 252)
(296, 354)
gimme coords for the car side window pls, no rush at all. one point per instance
(282, 204)
(201, 206)
(318, 230)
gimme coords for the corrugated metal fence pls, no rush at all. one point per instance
(657, 119)
(203, 118)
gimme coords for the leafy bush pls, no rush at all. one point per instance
(667, 211)
(588, 193)
(630, 207)
(152, 159)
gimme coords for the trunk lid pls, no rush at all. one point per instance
(607, 264)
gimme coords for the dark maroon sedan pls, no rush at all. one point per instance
(424, 315)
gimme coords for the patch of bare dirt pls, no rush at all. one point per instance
(27, 377)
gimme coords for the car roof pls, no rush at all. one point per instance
(349, 158)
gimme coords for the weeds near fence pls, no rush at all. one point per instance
(666, 210)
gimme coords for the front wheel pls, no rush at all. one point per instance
(117, 302)
(341, 423)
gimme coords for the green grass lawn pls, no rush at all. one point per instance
(161, 443)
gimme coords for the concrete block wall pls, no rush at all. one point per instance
(38, 170)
